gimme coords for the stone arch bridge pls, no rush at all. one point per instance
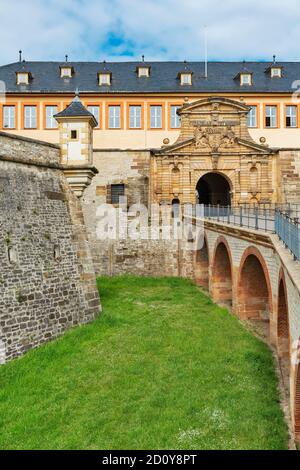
(253, 274)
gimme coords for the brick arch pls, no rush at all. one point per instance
(283, 327)
(222, 273)
(201, 264)
(254, 292)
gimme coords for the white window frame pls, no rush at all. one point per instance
(252, 117)
(66, 72)
(246, 79)
(114, 117)
(143, 72)
(104, 79)
(135, 116)
(174, 118)
(293, 116)
(271, 112)
(9, 117)
(156, 116)
(185, 78)
(30, 117)
(51, 122)
(95, 110)
(276, 72)
(22, 78)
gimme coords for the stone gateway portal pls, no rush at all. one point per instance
(213, 188)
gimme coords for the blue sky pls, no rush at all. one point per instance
(161, 30)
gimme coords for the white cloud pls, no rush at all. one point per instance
(161, 29)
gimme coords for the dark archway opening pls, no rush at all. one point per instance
(283, 332)
(202, 266)
(213, 189)
(221, 287)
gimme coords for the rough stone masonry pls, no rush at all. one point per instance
(47, 278)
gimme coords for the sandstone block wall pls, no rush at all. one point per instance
(47, 279)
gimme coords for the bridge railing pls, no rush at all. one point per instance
(282, 219)
(252, 217)
(288, 230)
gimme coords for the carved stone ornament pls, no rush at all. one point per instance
(214, 138)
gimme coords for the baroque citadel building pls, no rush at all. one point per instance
(166, 131)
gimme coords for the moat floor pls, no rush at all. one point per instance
(161, 368)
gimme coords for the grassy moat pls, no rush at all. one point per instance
(162, 368)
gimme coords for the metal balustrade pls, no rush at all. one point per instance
(288, 230)
(255, 217)
(282, 219)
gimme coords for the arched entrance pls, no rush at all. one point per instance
(254, 291)
(283, 333)
(202, 266)
(213, 188)
(221, 279)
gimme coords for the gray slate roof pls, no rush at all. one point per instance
(163, 77)
(75, 109)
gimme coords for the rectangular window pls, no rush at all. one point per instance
(135, 117)
(95, 110)
(30, 117)
(252, 117)
(291, 116)
(174, 118)
(114, 117)
(156, 117)
(271, 116)
(117, 191)
(9, 117)
(51, 122)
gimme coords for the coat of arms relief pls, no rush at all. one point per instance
(214, 138)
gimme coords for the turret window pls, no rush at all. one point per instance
(74, 135)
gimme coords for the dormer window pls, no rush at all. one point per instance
(246, 79)
(276, 72)
(104, 78)
(66, 72)
(185, 78)
(23, 78)
(143, 71)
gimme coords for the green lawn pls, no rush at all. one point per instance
(161, 368)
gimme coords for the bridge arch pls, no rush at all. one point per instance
(214, 188)
(201, 268)
(254, 287)
(283, 327)
(222, 273)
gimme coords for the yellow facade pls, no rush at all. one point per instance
(146, 137)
